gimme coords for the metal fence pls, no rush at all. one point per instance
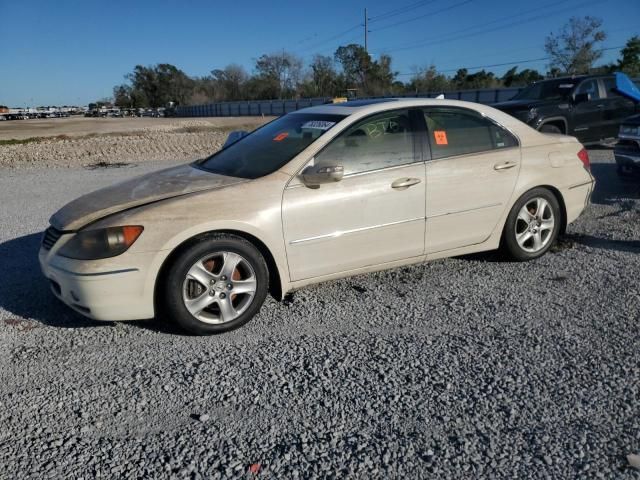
(280, 107)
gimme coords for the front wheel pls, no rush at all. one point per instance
(215, 285)
(532, 225)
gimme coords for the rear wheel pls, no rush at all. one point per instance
(215, 285)
(532, 225)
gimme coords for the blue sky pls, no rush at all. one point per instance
(73, 52)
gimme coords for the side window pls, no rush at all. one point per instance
(609, 85)
(590, 87)
(380, 141)
(458, 132)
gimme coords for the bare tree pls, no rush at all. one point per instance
(574, 49)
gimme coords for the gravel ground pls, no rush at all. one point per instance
(461, 368)
(166, 140)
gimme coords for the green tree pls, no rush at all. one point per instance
(160, 84)
(513, 78)
(362, 72)
(629, 62)
(355, 63)
(281, 74)
(230, 82)
(323, 79)
(428, 81)
(574, 49)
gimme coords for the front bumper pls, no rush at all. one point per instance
(108, 294)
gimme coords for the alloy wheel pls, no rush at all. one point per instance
(219, 288)
(534, 225)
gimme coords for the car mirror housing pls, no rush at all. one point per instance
(582, 97)
(315, 175)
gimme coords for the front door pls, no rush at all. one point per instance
(374, 215)
(470, 178)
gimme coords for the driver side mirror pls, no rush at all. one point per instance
(582, 97)
(315, 175)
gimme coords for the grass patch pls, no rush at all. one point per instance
(20, 141)
(23, 141)
(99, 165)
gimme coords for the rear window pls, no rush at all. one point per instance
(270, 147)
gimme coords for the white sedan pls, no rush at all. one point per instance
(319, 194)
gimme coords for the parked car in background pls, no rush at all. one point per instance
(586, 107)
(322, 193)
(627, 150)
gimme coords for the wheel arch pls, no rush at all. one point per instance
(275, 283)
(559, 122)
(563, 206)
(556, 193)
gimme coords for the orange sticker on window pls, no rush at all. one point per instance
(280, 137)
(441, 137)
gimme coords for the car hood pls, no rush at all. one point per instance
(149, 188)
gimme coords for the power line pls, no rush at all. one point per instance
(517, 62)
(400, 10)
(485, 24)
(332, 38)
(430, 14)
(502, 27)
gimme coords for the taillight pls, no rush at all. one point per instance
(583, 155)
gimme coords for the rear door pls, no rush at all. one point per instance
(616, 108)
(471, 176)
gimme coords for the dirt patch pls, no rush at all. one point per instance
(20, 324)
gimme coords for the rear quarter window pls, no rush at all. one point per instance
(454, 132)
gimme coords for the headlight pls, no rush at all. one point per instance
(101, 243)
(531, 114)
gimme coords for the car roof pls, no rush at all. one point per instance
(358, 109)
(380, 105)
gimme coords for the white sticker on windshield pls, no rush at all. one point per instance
(319, 124)
(566, 85)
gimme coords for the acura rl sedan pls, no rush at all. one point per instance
(319, 194)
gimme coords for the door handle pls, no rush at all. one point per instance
(504, 166)
(403, 183)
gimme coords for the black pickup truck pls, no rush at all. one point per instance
(586, 107)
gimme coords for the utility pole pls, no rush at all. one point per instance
(366, 31)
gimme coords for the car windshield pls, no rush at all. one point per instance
(547, 90)
(270, 147)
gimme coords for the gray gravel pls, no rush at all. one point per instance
(466, 367)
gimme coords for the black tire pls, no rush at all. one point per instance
(550, 129)
(171, 305)
(510, 245)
